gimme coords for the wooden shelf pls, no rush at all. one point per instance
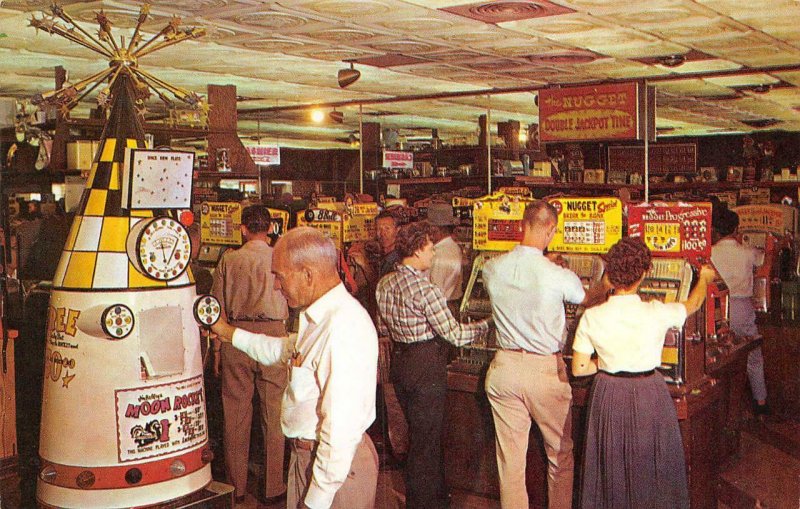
(213, 175)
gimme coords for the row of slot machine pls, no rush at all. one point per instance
(679, 237)
(344, 222)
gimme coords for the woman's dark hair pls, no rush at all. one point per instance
(626, 261)
(726, 223)
(411, 238)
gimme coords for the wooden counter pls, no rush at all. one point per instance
(709, 415)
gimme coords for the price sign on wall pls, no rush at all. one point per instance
(679, 230)
(265, 154)
(665, 158)
(396, 159)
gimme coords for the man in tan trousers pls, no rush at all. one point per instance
(244, 285)
(527, 379)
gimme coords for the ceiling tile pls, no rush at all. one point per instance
(743, 80)
(499, 11)
(346, 8)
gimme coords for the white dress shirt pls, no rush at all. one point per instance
(446, 270)
(735, 262)
(331, 392)
(528, 292)
(626, 333)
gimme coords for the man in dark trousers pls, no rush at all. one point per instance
(245, 286)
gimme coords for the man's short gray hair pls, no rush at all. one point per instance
(308, 247)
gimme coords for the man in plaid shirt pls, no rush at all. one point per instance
(414, 313)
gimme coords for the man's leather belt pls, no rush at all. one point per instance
(303, 444)
(520, 350)
(248, 319)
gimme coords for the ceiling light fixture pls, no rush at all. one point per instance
(317, 116)
(672, 60)
(347, 77)
(336, 116)
(762, 89)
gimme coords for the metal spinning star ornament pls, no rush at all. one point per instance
(121, 59)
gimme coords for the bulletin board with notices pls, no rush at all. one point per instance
(587, 225)
(219, 223)
(497, 221)
(675, 229)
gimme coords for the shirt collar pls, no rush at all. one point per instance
(317, 310)
(444, 240)
(256, 242)
(627, 296)
(528, 249)
(401, 266)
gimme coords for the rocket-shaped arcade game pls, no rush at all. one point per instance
(124, 414)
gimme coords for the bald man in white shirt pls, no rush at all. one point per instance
(330, 400)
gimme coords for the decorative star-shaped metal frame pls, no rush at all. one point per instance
(121, 58)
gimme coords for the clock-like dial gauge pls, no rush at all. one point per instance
(162, 248)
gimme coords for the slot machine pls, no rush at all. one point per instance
(587, 228)
(219, 230)
(770, 228)
(679, 238)
(496, 229)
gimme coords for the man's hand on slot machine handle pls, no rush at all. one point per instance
(223, 330)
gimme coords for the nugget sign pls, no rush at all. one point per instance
(603, 112)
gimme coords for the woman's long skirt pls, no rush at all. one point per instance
(634, 453)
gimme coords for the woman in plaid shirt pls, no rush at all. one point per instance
(414, 314)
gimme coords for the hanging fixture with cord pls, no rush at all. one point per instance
(347, 77)
(672, 60)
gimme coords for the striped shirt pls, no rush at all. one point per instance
(412, 309)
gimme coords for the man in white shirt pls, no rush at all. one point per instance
(735, 263)
(527, 378)
(446, 270)
(330, 400)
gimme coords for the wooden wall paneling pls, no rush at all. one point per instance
(222, 125)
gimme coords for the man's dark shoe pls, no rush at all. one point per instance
(271, 500)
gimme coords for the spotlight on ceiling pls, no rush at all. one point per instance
(672, 60)
(317, 116)
(347, 77)
(336, 117)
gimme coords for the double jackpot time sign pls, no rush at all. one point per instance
(602, 112)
